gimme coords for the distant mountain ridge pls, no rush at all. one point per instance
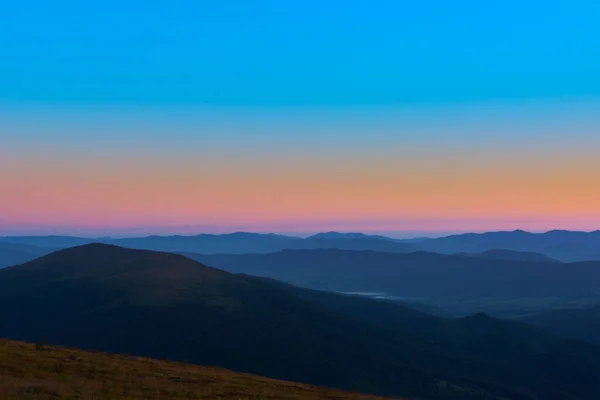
(17, 253)
(52, 241)
(565, 246)
(233, 243)
(509, 255)
(350, 235)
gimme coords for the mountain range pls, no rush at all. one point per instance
(510, 255)
(565, 246)
(167, 306)
(233, 243)
(514, 288)
(456, 283)
(18, 253)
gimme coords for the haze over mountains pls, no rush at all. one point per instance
(168, 306)
(565, 246)
(234, 243)
(510, 255)
(455, 283)
(18, 253)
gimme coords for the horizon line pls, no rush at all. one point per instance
(302, 235)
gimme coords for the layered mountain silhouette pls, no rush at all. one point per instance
(17, 253)
(234, 243)
(349, 235)
(167, 306)
(436, 279)
(51, 241)
(567, 246)
(414, 274)
(509, 255)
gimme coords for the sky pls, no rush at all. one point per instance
(406, 118)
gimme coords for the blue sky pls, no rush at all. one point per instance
(432, 116)
(298, 53)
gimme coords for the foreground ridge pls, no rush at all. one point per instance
(29, 371)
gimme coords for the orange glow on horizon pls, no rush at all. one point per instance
(263, 193)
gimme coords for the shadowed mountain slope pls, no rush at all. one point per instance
(170, 307)
(579, 323)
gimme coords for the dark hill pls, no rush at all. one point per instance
(580, 323)
(169, 307)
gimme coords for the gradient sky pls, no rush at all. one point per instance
(299, 116)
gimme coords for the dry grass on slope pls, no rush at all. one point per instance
(38, 372)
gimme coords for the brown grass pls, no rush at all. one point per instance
(56, 373)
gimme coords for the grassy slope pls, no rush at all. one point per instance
(51, 373)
